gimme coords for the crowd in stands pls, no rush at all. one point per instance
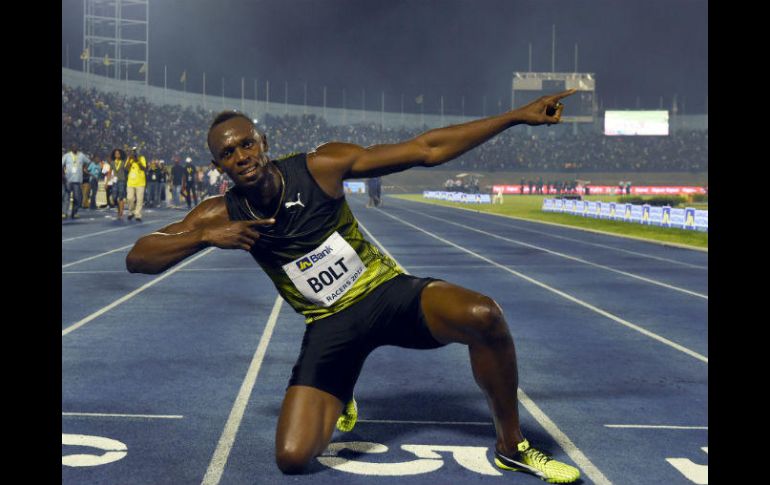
(100, 122)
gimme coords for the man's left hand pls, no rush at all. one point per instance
(544, 110)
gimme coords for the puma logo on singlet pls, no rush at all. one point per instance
(296, 202)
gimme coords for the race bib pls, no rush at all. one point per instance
(326, 273)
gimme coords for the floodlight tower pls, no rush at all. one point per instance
(115, 39)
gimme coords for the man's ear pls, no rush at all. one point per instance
(265, 146)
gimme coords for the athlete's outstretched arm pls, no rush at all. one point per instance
(206, 225)
(431, 148)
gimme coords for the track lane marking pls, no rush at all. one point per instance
(448, 423)
(127, 297)
(116, 415)
(186, 270)
(224, 446)
(115, 229)
(576, 228)
(562, 439)
(96, 256)
(566, 256)
(567, 296)
(652, 426)
(580, 241)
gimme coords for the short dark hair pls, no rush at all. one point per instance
(228, 115)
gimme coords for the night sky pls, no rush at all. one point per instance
(640, 50)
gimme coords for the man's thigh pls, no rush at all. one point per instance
(453, 313)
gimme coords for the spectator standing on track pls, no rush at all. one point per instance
(189, 183)
(521, 187)
(213, 176)
(628, 187)
(94, 174)
(72, 164)
(531, 184)
(109, 182)
(85, 187)
(368, 302)
(162, 183)
(374, 186)
(136, 183)
(121, 178)
(64, 194)
(200, 178)
(177, 179)
(153, 184)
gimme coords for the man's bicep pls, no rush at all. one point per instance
(207, 212)
(378, 160)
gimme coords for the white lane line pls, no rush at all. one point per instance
(127, 297)
(604, 246)
(566, 226)
(113, 415)
(652, 426)
(571, 298)
(96, 233)
(379, 245)
(566, 444)
(448, 423)
(96, 271)
(115, 229)
(96, 256)
(186, 270)
(566, 256)
(222, 452)
(563, 440)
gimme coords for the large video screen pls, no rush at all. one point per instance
(636, 123)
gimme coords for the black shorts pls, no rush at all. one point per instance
(334, 348)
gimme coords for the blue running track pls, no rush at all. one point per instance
(178, 378)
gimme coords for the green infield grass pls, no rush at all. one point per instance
(529, 207)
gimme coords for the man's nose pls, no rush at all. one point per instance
(240, 155)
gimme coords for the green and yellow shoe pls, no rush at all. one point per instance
(530, 460)
(347, 419)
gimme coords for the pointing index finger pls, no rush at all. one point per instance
(564, 94)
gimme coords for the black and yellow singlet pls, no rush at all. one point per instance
(315, 253)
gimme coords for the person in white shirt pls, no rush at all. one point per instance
(213, 175)
(72, 169)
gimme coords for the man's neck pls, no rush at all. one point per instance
(266, 197)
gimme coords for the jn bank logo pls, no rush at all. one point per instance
(304, 264)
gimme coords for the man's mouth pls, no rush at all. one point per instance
(249, 172)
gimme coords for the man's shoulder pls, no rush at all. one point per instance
(212, 208)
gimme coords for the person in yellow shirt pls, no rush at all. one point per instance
(136, 166)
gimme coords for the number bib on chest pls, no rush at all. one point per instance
(326, 273)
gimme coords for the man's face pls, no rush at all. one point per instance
(237, 150)
(74, 149)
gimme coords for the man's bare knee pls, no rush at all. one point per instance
(292, 461)
(488, 321)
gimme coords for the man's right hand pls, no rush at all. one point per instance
(234, 234)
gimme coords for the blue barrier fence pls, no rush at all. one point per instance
(458, 197)
(687, 218)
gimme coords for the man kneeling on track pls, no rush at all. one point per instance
(292, 216)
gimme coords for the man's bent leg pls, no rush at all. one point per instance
(455, 314)
(305, 426)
